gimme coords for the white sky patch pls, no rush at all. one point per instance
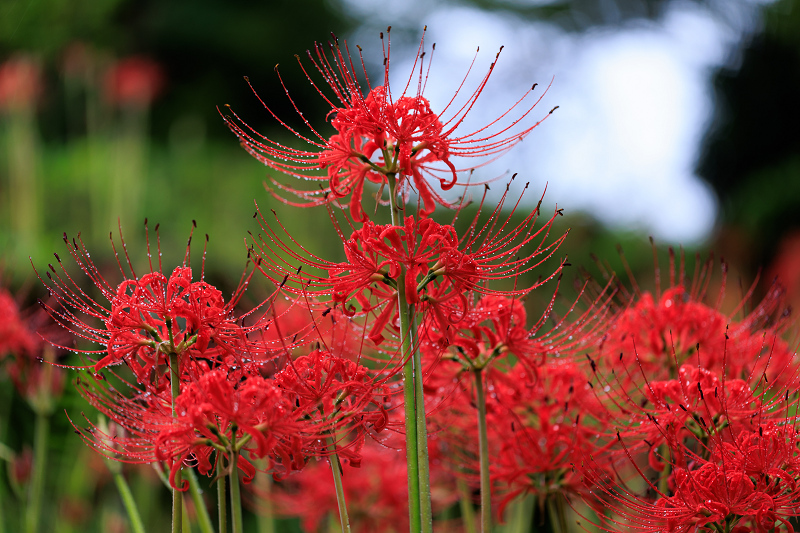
(634, 105)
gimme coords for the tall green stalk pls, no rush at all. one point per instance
(203, 520)
(426, 511)
(265, 519)
(336, 468)
(465, 504)
(127, 500)
(222, 504)
(483, 450)
(412, 455)
(36, 489)
(177, 496)
(236, 498)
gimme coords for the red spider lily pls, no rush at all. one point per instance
(439, 267)
(379, 133)
(229, 411)
(134, 82)
(152, 316)
(750, 484)
(15, 337)
(723, 449)
(663, 331)
(339, 400)
(20, 83)
(536, 429)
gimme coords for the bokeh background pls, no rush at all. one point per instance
(677, 119)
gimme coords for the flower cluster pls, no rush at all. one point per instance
(426, 356)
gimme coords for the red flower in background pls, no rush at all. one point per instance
(134, 81)
(20, 83)
(662, 331)
(379, 133)
(15, 336)
(376, 491)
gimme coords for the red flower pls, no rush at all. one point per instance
(153, 316)
(380, 134)
(20, 83)
(339, 400)
(15, 337)
(134, 81)
(663, 331)
(440, 268)
(376, 492)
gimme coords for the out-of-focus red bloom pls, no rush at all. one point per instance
(379, 133)
(15, 337)
(134, 82)
(785, 267)
(376, 492)
(20, 83)
(536, 425)
(25, 358)
(717, 445)
(661, 332)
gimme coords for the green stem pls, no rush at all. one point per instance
(557, 516)
(5, 407)
(523, 514)
(426, 512)
(222, 504)
(336, 468)
(40, 437)
(236, 498)
(483, 450)
(663, 478)
(265, 519)
(127, 500)
(203, 520)
(177, 495)
(415, 520)
(465, 503)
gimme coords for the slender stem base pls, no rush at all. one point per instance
(426, 511)
(177, 495)
(203, 519)
(465, 504)
(222, 504)
(130, 504)
(236, 498)
(336, 468)
(483, 449)
(265, 519)
(40, 438)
